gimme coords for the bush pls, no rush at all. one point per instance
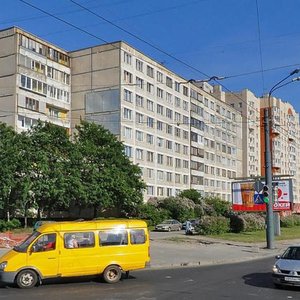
(178, 208)
(290, 221)
(220, 207)
(191, 194)
(213, 225)
(9, 225)
(246, 222)
(151, 214)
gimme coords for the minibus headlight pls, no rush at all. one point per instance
(3, 265)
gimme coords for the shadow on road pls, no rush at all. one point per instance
(263, 280)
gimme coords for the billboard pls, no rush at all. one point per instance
(248, 195)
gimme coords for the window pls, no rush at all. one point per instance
(169, 113)
(185, 105)
(127, 95)
(169, 129)
(177, 163)
(139, 101)
(139, 65)
(31, 104)
(160, 142)
(150, 173)
(150, 139)
(160, 93)
(128, 132)
(139, 82)
(79, 240)
(159, 77)
(150, 156)
(177, 147)
(185, 150)
(177, 86)
(160, 159)
(150, 88)
(139, 135)
(150, 105)
(177, 117)
(127, 58)
(160, 175)
(169, 144)
(169, 82)
(185, 91)
(169, 176)
(139, 118)
(137, 236)
(46, 242)
(150, 190)
(150, 122)
(139, 154)
(169, 98)
(177, 132)
(128, 151)
(160, 125)
(169, 161)
(177, 178)
(114, 237)
(127, 77)
(185, 120)
(160, 109)
(185, 179)
(127, 113)
(150, 71)
(177, 102)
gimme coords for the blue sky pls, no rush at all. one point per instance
(257, 42)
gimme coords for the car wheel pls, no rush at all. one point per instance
(112, 274)
(27, 279)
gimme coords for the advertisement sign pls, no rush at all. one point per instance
(248, 195)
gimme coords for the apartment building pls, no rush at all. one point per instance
(249, 107)
(34, 81)
(285, 137)
(149, 108)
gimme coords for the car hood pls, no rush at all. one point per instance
(163, 225)
(288, 264)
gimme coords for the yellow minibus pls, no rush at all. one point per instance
(67, 249)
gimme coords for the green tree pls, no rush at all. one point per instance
(191, 194)
(111, 180)
(50, 166)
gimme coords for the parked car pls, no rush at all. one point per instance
(169, 225)
(286, 270)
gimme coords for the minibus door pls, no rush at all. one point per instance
(43, 255)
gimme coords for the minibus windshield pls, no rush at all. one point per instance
(24, 245)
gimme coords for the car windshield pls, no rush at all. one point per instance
(24, 245)
(292, 253)
(167, 222)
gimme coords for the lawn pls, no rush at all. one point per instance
(259, 236)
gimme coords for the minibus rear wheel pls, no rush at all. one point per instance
(112, 274)
(27, 279)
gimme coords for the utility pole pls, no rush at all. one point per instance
(268, 162)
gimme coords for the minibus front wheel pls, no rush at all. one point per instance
(27, 279)
(112, 274)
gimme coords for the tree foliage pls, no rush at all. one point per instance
(43, 169)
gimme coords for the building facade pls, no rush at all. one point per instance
(34, 81)
(167, 127)
(249, 107)
(284, 140)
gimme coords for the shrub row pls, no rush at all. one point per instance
(9, 225)
(290, 221)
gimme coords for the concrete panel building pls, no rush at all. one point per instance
(149, 108)
(249, 107)
(34, 81)
(285, 138)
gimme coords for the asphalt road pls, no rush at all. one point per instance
(250, 280)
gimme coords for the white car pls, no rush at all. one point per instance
(169, 225)
(286, 270)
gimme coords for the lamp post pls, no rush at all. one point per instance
(268, 157)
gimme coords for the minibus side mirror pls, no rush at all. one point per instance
(32, 249)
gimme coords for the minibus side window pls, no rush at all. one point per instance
(113, 237)
(137, 236)
(46, 242)
(79, 240)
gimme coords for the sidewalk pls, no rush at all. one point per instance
(200, 250)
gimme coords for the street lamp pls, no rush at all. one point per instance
(268, 159)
